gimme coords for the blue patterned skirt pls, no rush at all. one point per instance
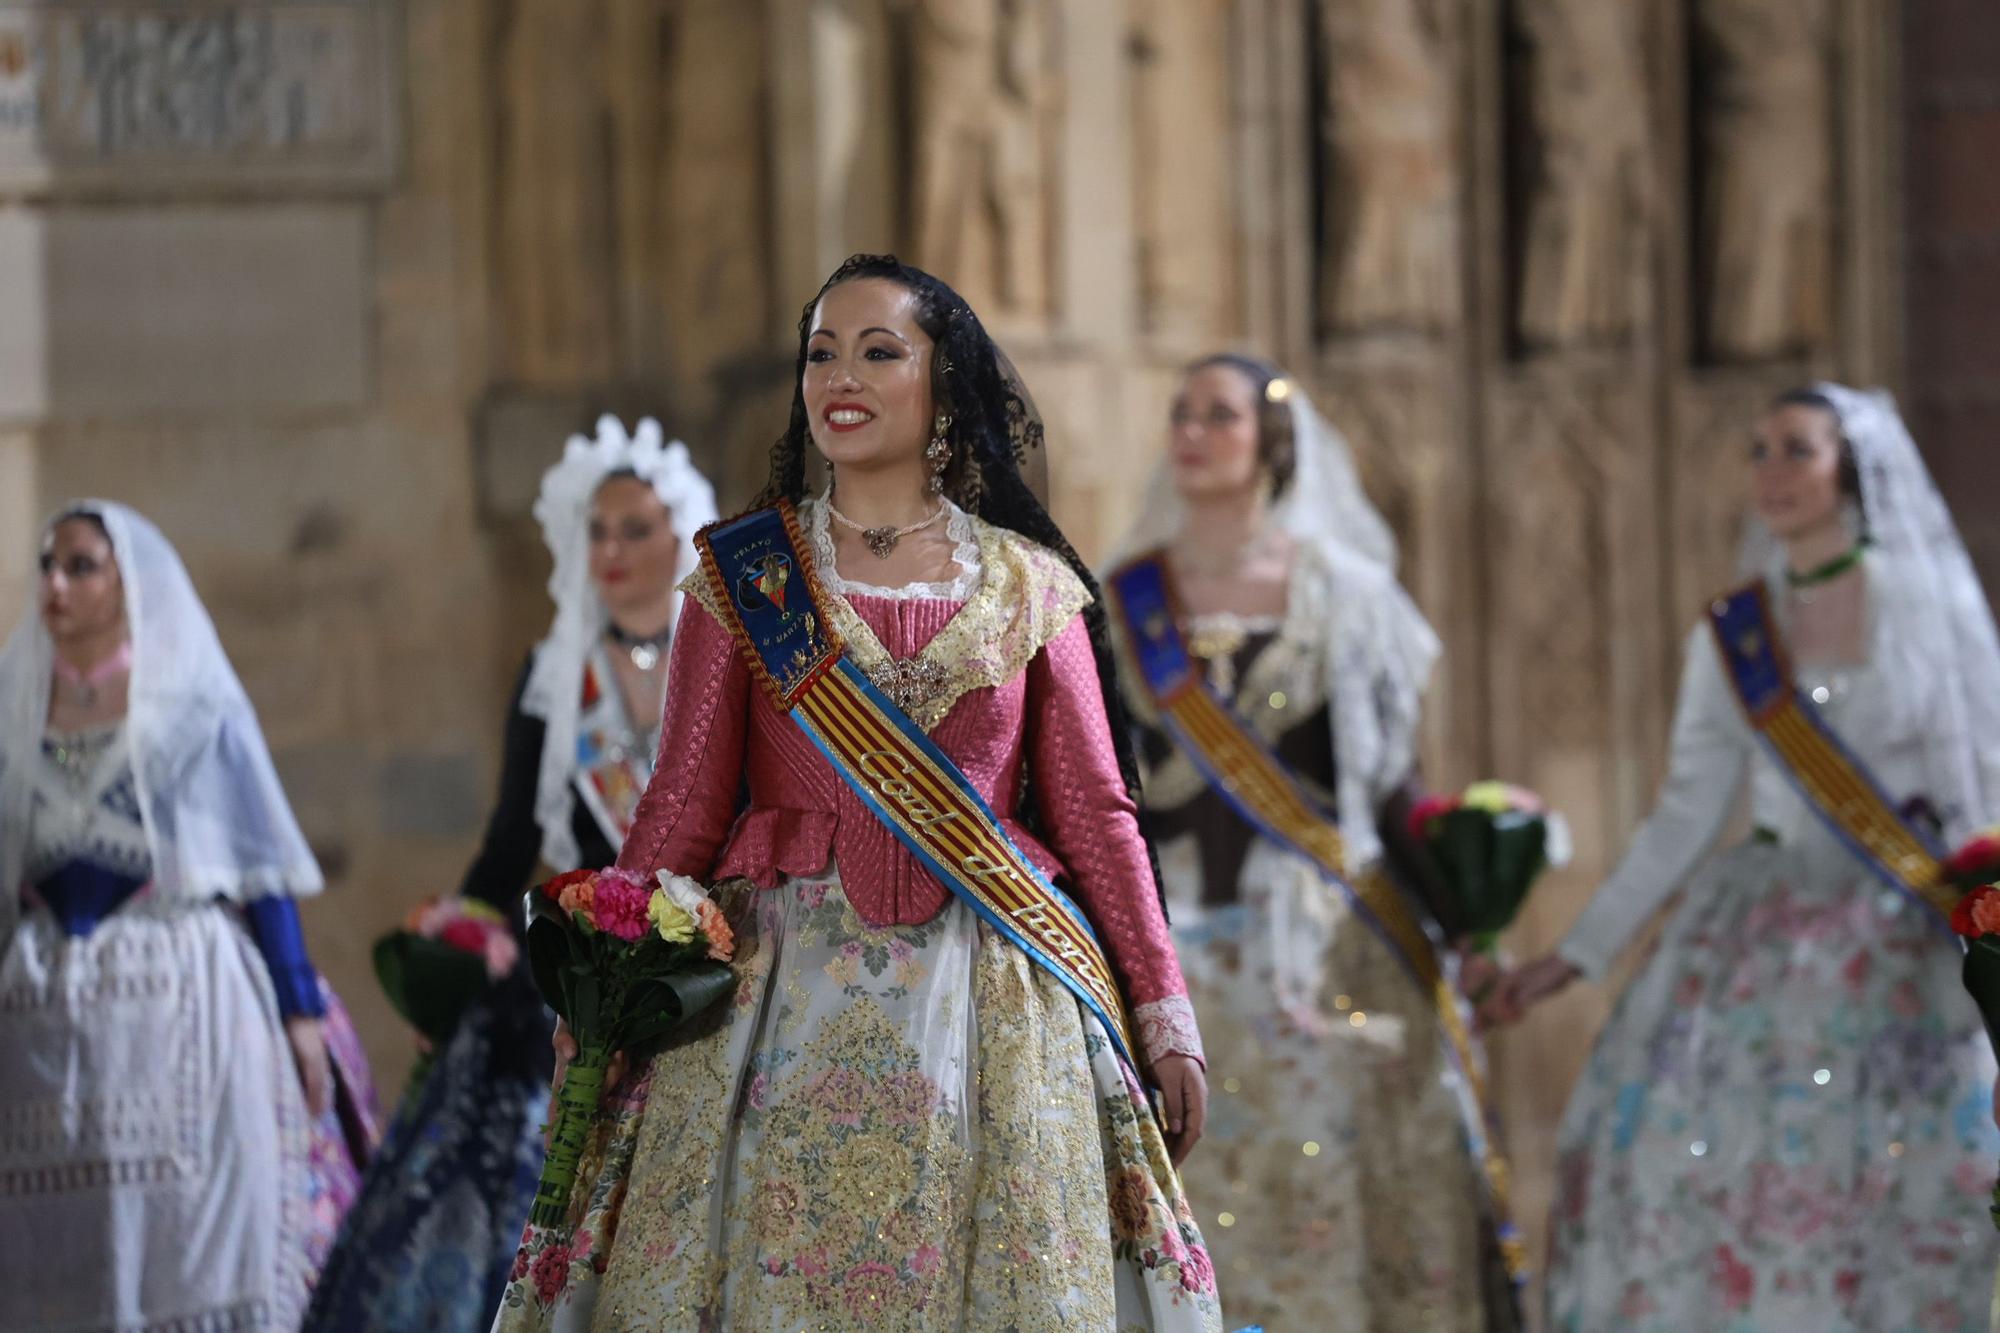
(428, 1244)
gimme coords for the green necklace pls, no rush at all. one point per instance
(1829, 571)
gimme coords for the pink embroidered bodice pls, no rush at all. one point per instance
(721, 732)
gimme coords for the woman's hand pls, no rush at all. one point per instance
(308, 1041)
(1184, 1098)
(565, 1048)
(1479, 975)
(1525, 987)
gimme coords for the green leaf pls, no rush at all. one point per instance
(662, 1005)
(1489, 862)
(428, 982)
(1982, 978)
(585, 996)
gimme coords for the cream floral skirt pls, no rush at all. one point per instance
(1333, 1180)
(910, 1127)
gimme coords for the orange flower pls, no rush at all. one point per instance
(715, 927)
(579, 895)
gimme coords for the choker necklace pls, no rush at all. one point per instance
(87, 682)
(645, 650)
(883, 540)
(1827, 572)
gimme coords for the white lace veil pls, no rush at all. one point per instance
(1937, 628)
(216, 819)
(1379, 649)
(554, 690)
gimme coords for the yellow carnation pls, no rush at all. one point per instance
(674, 922)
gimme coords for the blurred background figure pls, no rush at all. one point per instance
(1333, 1185)
(187, 1111)
(429, 1244)
(316, 286)
(1786, 1121)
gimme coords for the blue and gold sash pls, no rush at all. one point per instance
(1830, 777)
(1241, 769)
(613, 765)
(762, 579)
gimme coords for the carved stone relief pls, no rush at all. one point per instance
(1583, 244)
(983, 79)
(710, 224)
(1764, 177)
(1183, 176)
(1389, 251)
(184, 96)
(556, 253)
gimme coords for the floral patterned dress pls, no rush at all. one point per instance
(1787, 1123)
(1333, 1181)
(900, 1122)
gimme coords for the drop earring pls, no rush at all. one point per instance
(938, 453)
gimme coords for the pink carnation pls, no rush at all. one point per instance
(501, 954)
(620, 906)
(464, 936)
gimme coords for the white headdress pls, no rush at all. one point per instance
(216, 819)
(1380, 650)
(554, 691)
(1937, 628)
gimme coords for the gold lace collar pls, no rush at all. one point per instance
(1026, 596)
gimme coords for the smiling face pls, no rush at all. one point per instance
(1795, 466)
(867, 383)
(634, 550)
(82, 594)
(1216, 445)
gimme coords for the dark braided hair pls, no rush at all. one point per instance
(993, 431)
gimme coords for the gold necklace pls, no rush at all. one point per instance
(883, 540)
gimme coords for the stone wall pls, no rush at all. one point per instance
(1540, 259)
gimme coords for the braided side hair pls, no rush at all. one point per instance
(992, 433)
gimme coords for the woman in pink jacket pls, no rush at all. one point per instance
(902, 1120)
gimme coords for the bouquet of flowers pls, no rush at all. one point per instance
(1974, 869)
(1490, 843)
(447, 951)
(623, 962)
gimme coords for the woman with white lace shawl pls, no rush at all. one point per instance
(163, 1164)
(1786, 1123)
(1334, 1185)
(429, 1244)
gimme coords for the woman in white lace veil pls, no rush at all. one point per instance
(432, 1237)
(554, 688)
(1284, 580)
(1938, 628)
(148, 857)
(1794, 1082)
